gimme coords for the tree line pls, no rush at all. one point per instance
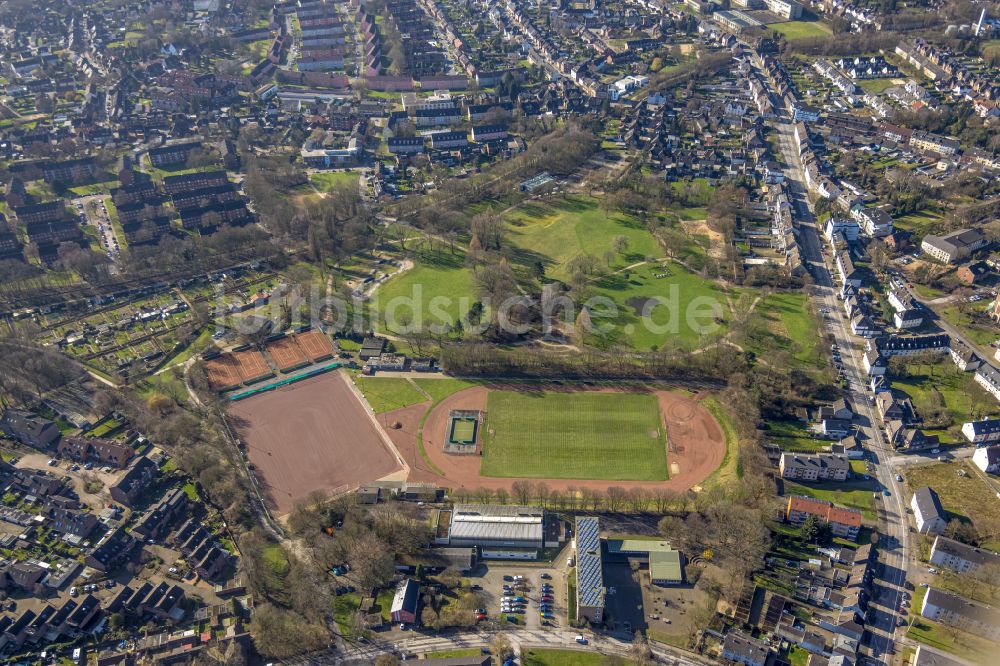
(484, 360)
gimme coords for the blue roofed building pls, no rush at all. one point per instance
(590, 590)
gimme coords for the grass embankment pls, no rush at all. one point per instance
(385, 394)
(729, 470)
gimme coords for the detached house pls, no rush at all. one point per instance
(927, 511)
(987, 458)
(405, 602)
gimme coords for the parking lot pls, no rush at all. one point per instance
(624, 607)
(534, 585)
(81, 478)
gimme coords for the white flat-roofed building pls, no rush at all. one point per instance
(515, 530)
(786, 9)
(841, 226)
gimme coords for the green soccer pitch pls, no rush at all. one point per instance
(581, 435)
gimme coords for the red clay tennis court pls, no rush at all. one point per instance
(222, 372)
(286, 354)
(315, 344)
(252, 365)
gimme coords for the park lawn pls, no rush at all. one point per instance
(794, 326)
(385, 394)
(546, 657)
(960, 394)
(558, 231)
(93, 188)
(324, 181)
(875, 86)
(438, 276)
(795, 30)
(974, 323)
(259, 49)
(927, 292)
(579, 435)
(853, 495)
(699, 190)
(967, 498)
(692, 214)
(793, 436)
(682, 308)
(348, 345)
(919, 222)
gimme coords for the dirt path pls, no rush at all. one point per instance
(697, 445)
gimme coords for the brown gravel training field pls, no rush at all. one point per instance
(312, 435)
(698, 444)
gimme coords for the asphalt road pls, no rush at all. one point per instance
(893, 546)
(521, 640)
